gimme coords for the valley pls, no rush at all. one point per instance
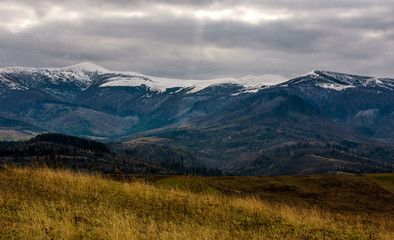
(320, 122)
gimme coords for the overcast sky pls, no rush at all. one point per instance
(201, 39)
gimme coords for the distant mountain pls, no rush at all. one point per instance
(358, 103)
(61, 82)
(88, 100)
(316, 123)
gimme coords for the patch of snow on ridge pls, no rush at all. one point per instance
(130, 81)
(86, 66)
(263, 80)
(252, 83)
(12, 85)
(375, 79)
(337, 87)
(367, 113)
(311, 73)
(18, 69)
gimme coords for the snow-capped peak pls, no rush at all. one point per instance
(87, 66)
(311, 73)
(77, 75)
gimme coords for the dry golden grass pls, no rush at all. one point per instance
(59, 204)
(386, 180)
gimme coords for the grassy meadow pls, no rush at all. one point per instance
(59, 204)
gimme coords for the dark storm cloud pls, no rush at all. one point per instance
(201, 39)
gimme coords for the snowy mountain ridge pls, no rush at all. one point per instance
(341, 81)
(81, 74)
(36, 77)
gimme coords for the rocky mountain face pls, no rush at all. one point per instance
(316, 123)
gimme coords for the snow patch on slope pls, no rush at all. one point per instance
(11, 85)
(337, 87)
(311, 73)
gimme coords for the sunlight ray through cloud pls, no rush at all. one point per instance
(214, 15)
(246, 15)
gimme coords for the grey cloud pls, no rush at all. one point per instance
(319, 34)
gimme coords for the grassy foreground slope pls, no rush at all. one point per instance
(359, 194)
(59, 204)
(386, 180)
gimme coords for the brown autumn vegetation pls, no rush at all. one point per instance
(59, 204)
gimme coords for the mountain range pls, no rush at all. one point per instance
(319, 122)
